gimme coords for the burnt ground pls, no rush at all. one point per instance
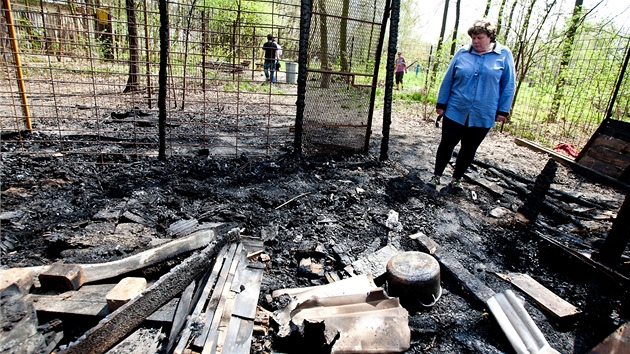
(56, 209)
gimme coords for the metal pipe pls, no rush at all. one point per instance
(6, 6)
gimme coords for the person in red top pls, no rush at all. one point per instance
(401, 69)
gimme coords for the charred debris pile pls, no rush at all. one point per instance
(262, 255)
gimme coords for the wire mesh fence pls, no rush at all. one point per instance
(90, 78)
(86, 78)
(544, 111)
(343, 51)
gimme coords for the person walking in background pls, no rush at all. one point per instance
(477, 91)
(401, 69)
(278, 55)
(269, 52)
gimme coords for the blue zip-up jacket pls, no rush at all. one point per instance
(478, 87)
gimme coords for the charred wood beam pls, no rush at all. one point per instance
(556, 193)
(577, 168)
(610, 273)
(123, 321)
(547, 206)
(617, 240)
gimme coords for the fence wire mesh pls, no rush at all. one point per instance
(342, 54)
(543, 112)
(90, 78)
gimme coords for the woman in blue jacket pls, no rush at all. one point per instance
(477, 91)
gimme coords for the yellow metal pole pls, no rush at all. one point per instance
(6, 6)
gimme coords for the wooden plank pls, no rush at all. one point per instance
(555, 305)
(241, 344)
(252, 244)
(120, 323)
(90, 301)
(576, 167)
(225, 299)
(214, 302)
(605, 167)
(612, 144)
(100, 271)
(62, 277)
(125, 290)
(201, 301)
(605, 154)
(617, 342)
(229, 298)
(181, 313)
(21, 277)
(615, 128)
(248, 289)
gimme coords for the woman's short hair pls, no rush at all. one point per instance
(483, 26)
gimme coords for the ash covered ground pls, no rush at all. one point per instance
(76, 212)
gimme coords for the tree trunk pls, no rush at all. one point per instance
(509, 22)
(438, 53)
(343, 34)
(454, 43)
(500, 18)
(134, 53)
(567, 50)
(487, 11)
(618, 237)
(323, 44)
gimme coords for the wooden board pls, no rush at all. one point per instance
(200, 302)
(90, 301)
(608, 150)
(577, 167)
(238, 339)
(616, 343)
(215, 300)
(554, 304)
(101, 271)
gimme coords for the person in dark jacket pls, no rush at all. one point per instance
(269, 54)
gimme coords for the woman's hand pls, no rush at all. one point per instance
(439, 111)
(500, 118)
